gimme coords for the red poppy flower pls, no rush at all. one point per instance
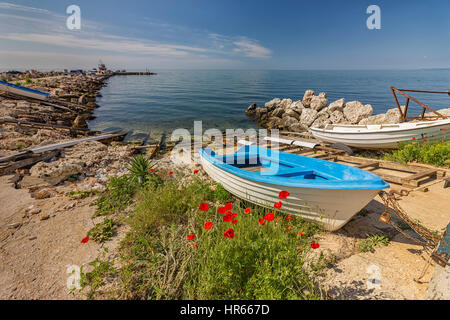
(277, 205)
(171, 172)
(221, 210)
(424, 140)
(269, 216)
(194, 245)
(442, 128)
(283, 194)
(248, 210)
(261, 221)
(414, 138)
(314, 245)
(234, 221)
(152, 169)
(229, 216)
(208, 225)
(229, 233)
(277, 219)
(288, 218)
(195, 171)
(191, 237)
(85, 239)
(204, 207)
(229, 206)
(187, 245)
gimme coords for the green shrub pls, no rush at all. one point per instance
(27, 80)
(435, 153)
(117, 196)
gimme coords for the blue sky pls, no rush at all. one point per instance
(219, 34)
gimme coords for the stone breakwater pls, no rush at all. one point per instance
(316, 111)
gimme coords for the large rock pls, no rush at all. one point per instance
(278, 112)
(55, 173)
(309, 94)
(285, 103)
(355, 111)
(83, 99)
(308, 116)
(293, 113)
(297, 106)
(251, 110)
(270, 105)
(336, 105)
(287, 121)
(392, 116)
(337, 117)
(80, 122)
(318, 103)
(376, 119)
(259, 112)
(321, 121)
(297, 127)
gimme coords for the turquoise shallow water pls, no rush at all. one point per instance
(175, 99)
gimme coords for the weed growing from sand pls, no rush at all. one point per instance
(103, 231)
(373, 241)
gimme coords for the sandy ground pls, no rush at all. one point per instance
(400, 270)
(35, 254)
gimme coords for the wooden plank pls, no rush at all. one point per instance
(374, 164)
(61, 145)
(43, 125)
(27, 162)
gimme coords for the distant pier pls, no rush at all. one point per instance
(145, 73)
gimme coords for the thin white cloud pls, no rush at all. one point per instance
(17, 7)
(251, 49)
(48, 32)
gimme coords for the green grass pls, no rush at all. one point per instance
(158, 261)
(261, 262)
(103, 231)
(95, 279)
(434, 153)
(373, 241)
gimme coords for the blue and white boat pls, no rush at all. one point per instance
(323, 191)
(23, 91)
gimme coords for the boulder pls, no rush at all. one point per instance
(54, 173)
(321, 121)
(293, 113)
(323, 95)
(83, 99)
(318, 103)
(297, 106)
(259, 112)
(297, 127)
(308, 116)
(355, 111)
(307, 98)
(376, 119)
(392, 116)
(337, 117)
(287, 121)
(285, 103)
(278, 112)
(80, 122)
(336, 105)
(270, 105)
(251, 110)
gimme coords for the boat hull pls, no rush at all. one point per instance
(23, 91)
(388, 139)
(332, 208)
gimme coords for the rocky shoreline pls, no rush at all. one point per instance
(315, 111)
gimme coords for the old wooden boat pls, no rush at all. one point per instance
(323, 191)
(23, 91)
(383, 136)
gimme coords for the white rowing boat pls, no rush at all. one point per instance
(326, 192)
(383, 136)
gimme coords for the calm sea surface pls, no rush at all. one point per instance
(175, 99)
